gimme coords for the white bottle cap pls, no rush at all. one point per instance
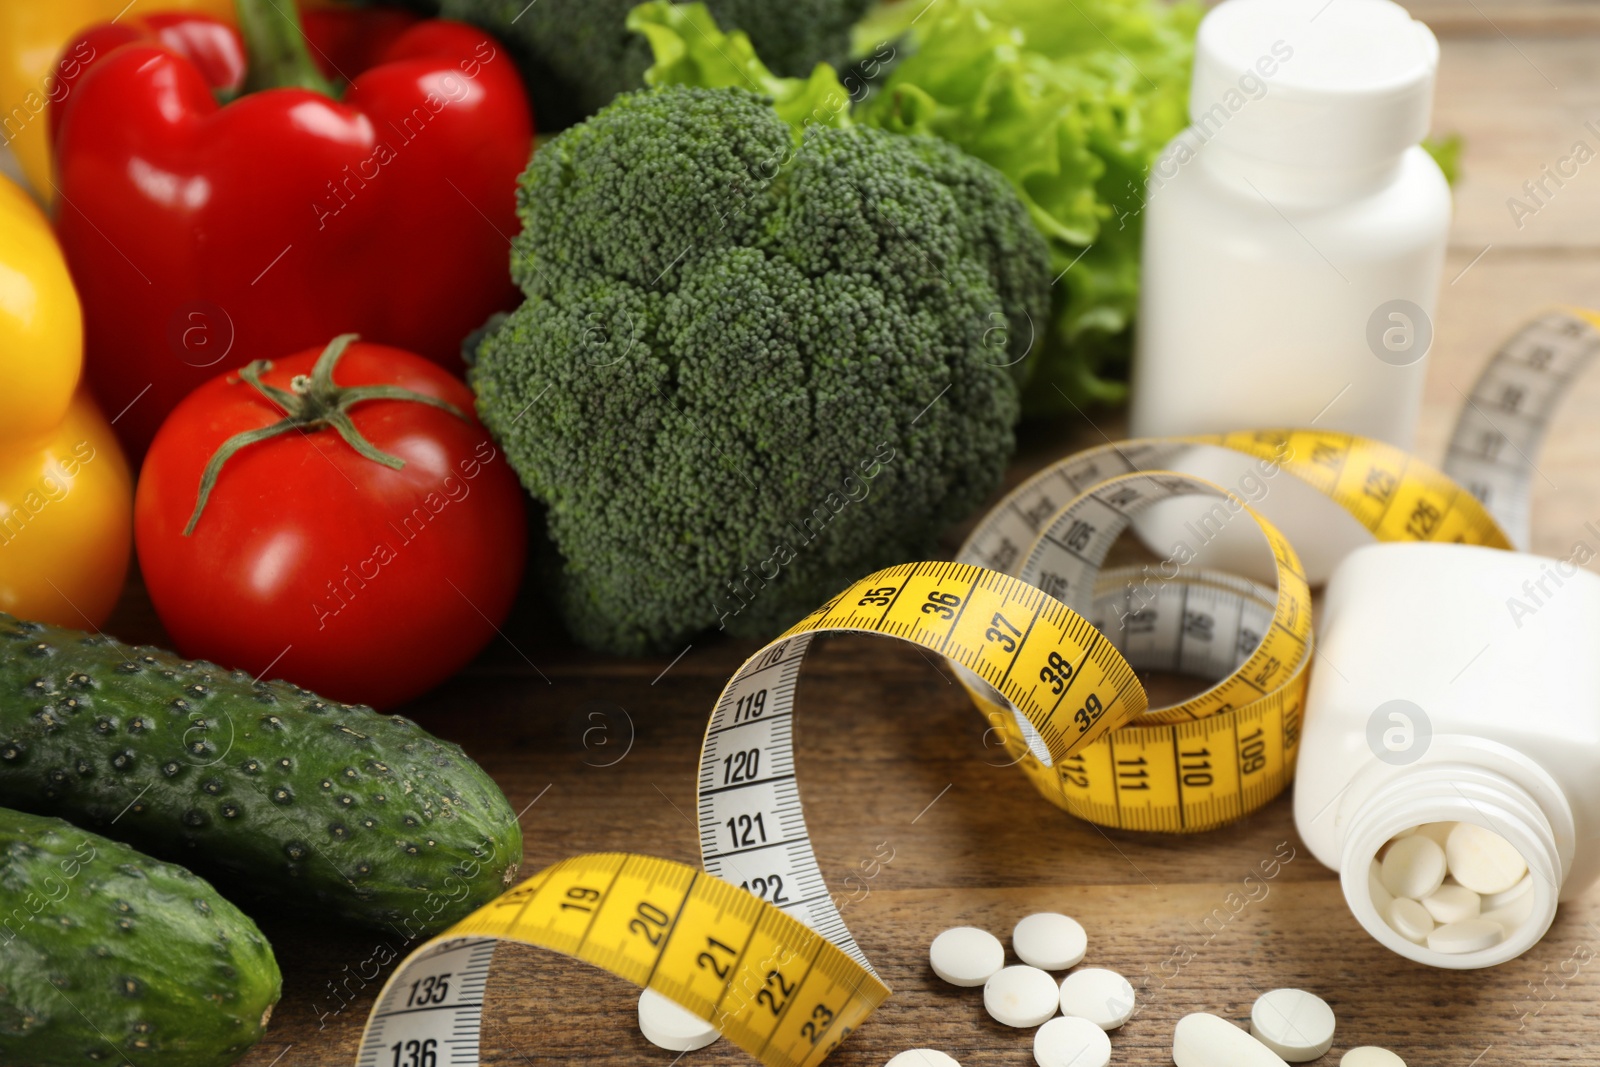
(1314, 83)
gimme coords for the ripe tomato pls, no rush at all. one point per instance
(319, 564)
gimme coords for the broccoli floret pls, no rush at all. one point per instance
(751, 368)
(576, 55)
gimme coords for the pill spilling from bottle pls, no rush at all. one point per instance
(1092, 1000)
(1021, 996)
(1455, 887)
(1286, 1025)
(1103, 997)
(1066, 1041)
(1296, 1025)
(966, 956)
(1050, 941)
(666, 1025)
(923, 1057)
(1206, 1040)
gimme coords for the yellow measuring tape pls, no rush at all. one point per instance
(1215, 757)
(774, 987)
(1048, 645)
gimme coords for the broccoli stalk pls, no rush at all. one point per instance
(751, 368)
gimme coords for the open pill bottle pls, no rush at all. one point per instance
(1456, 698)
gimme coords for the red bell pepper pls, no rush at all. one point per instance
(203, 235)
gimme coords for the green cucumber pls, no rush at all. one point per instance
(109, 957)
(263, 787)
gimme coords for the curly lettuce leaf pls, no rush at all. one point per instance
(1446, 151)
(691, 49)
(1072, 100)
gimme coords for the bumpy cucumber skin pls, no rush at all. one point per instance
(102, 946)
(263, 787)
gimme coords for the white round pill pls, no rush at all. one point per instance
(1409, 919)
(1439, 831)
(966, 955)
(1511, 916)
(1370, 1056)
(1491, 901)
(1452, 903)
(922, 1057)
(1103, 997)
(1470, 935)
(1020, 996)
(1049, 941)
(1297, 1025)
(1413, 867)
(1381, 897)
(1071, 1042)
(1482, 860)
(667, 1024)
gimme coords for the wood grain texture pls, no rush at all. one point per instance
(883, 733)
(1531, 111)
(1517, 19)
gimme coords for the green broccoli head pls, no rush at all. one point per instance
(750, 370)
(577, 54)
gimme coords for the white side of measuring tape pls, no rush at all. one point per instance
(434, 1017)
(1509, 410)
(752, 826)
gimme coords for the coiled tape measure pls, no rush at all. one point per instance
(1048, 647)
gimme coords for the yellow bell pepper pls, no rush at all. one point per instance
(32, 36)
(66, 496)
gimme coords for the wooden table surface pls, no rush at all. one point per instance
(972, 843)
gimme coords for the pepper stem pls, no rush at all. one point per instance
(313, 402)
(279, 57)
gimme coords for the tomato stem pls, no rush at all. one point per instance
(312, 402)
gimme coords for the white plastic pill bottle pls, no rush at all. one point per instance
(1457, 685)
(1294, 237)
